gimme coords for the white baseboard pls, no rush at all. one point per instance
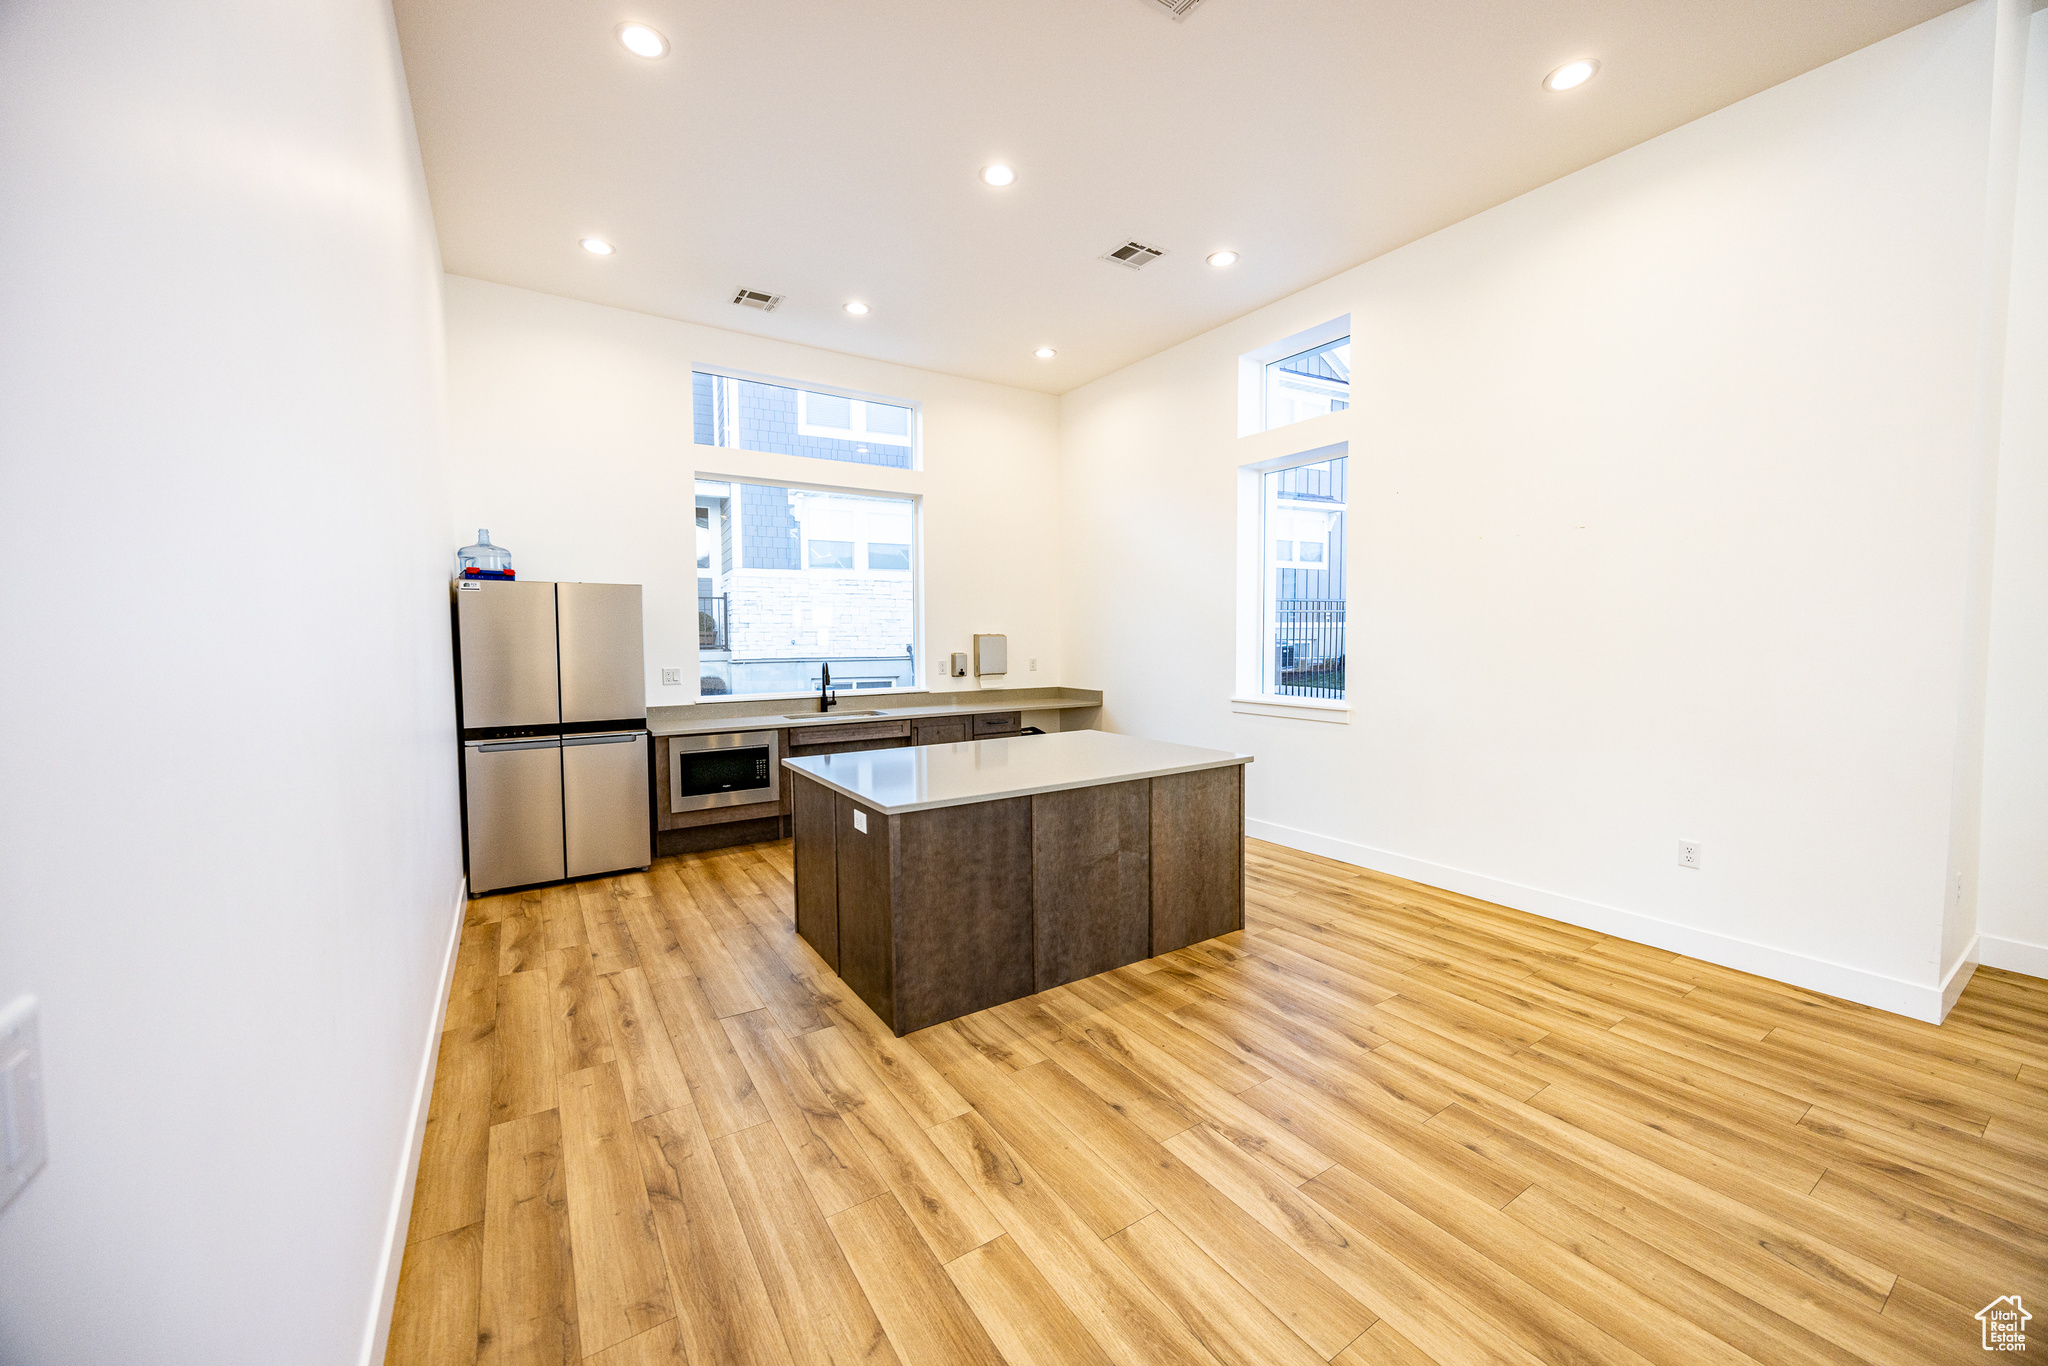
(378, 1334)
(2013, 955)
(1781, 965)
(1958, 977)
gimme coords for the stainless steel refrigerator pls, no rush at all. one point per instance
(551, 697)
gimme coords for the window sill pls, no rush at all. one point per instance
(1293, 708)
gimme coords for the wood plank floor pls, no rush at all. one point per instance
(1385, 1125)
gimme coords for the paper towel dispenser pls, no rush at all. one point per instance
(991, 655)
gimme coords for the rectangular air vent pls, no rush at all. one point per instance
(1179, 9)
(754, 298)
(1134, 254)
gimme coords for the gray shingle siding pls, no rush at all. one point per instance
(700, 406)
(767, 528)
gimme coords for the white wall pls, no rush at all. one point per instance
(1661, 529)
(2013, 900)
(228, 834)
(572, 442)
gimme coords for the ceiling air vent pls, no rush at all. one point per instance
(1179, 9)
(1134, 254)
(754, 298)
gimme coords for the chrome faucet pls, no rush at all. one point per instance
(826, 698)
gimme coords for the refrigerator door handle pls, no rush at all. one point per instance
(626, 737)
(514, 744)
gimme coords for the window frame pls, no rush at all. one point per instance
(919, 679)
(1250, 694)
(1253, 415)
(802, 387)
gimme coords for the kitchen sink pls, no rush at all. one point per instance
(824, 715)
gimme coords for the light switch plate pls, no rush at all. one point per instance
(23, 1145)
(860, 821)
(671, 678)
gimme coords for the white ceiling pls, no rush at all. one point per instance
(829, 150)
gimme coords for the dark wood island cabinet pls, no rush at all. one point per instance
(941, 881)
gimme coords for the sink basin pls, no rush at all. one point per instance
(824, 715)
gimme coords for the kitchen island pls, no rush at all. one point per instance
(946, 879)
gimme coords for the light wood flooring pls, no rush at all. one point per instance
(1385, 1125)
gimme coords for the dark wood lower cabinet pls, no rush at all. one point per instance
(959, 913)
(817, 869)
(1197, 857)
(949, 730)
(863, 863)
(1091, 866)
(930, 915)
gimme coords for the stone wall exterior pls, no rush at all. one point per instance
(783, 616)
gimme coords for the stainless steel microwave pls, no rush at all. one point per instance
(737, 768)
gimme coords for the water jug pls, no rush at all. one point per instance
(483, 560)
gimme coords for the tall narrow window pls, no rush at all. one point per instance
(1302, 579)
(792, 579)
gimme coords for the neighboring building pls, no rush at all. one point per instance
(792, 579)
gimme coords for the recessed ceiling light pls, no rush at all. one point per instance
(997, 175)
(856, 309)
(597, 246)
(1571, 75)
(643, 41)
(1045, 353)
(1223, 258)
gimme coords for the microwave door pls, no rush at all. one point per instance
(718, 773)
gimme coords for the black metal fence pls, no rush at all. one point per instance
(714, 618)
(1308, 647)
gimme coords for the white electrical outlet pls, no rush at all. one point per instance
(23, 1146)
(860, 821)
(671, 678)
(1034, 666)
(1689, 853)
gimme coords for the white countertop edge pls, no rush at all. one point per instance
(1138, 776)
(1303, 710)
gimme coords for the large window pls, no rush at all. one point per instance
(791, 579)
(1301, 579)
(755, 415)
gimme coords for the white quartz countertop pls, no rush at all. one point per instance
(851, 711)
(894, 781)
